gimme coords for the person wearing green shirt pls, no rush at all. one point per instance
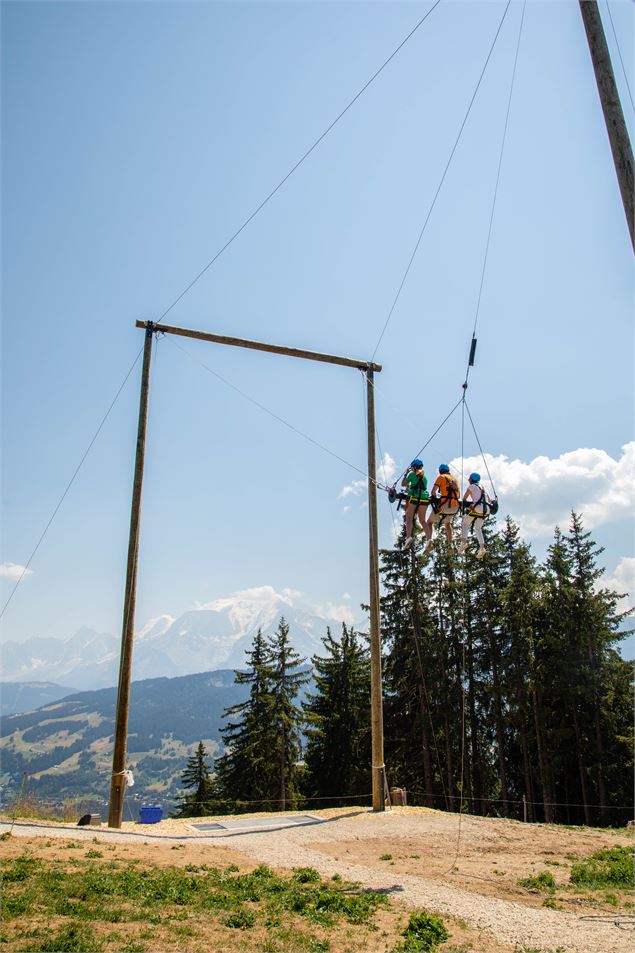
(416, 484)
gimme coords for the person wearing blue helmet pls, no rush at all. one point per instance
(445, 501)
(474, 512)
(416, 484)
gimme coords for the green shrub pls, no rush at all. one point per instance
(423, 934)
(543, 881)
(306, 875)
(605, 868)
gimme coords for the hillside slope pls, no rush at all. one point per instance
(66, 746)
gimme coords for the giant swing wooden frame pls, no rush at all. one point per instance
(117, 786)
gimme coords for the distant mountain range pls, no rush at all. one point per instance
(66, 746)
(25, 696)
(210, 637)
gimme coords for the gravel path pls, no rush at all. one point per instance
(507, 921)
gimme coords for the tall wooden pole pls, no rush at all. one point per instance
(612, 108)
(117, 783)
(377, 719)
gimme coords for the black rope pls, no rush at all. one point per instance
(297, 165)
(445, 172)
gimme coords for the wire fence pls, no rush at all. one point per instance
(522, 808)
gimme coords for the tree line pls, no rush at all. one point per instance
(504, 694)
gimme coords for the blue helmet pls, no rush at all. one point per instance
(417, 463)
(475, 477)
(444, 468)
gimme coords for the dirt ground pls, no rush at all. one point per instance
(465, 869)
(489, 857)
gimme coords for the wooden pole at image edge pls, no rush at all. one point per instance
(117, 781)
(612, 109)
(377, 720)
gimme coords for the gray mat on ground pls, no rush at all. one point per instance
(253, 823)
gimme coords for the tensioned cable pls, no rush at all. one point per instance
(445, 172)
(282, 181)
(498, 175)
(617, 43)
(276, 416)
(215, 258)
(430, 439)
(481, 449)
(71, 481)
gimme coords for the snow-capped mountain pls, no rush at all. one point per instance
(211, 636)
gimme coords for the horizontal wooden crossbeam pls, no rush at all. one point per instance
(260, 346)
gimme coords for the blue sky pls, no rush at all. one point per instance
(137, 137)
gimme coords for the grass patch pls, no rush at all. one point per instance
(605, 868)
(543, 881)
(75, 938)
(94, 894)
(241, 920)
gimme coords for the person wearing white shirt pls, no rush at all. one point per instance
(475, 501)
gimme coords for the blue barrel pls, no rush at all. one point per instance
(150, 815)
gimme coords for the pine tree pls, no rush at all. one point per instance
(244, 773)
(282, 744)
(196, 775)
(413, 679)
(594, 623)
(338, 751)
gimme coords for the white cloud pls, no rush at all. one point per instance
(541, 494)
(387, 469)
(385, 474)
(332, 612)
(622, 580)
(14, 571)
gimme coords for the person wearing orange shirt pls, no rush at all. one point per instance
(445, 502)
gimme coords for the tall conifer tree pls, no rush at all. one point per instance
(283, 741)
(338, 748)
(245, 772)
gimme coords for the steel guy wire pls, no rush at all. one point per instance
(617, 43)
(275, 416)
(72, 480)
(498, 175)
(489, 475)
(445, 172)
(299, 162)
